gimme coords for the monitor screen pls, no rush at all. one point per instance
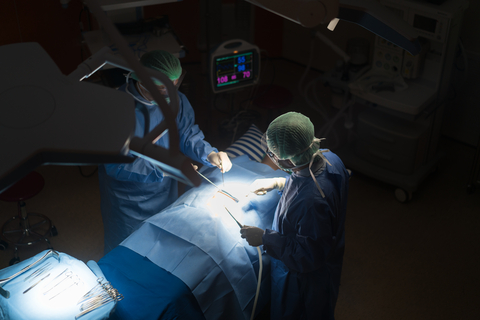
(235, 70)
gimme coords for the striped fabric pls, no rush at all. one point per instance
(249, 144)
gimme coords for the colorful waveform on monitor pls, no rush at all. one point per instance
(234, 69)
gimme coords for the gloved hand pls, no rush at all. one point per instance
(253, 235)
(220, 160)
(262, 186)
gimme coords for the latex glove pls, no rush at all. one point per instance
(262, 186)
(253, 235)
(220, 160)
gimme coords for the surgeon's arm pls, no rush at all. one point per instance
(308, 249)
(192, 143)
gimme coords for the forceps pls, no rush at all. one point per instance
(37, 272)
(69, 274)
(35, 284)
(76, 281)
(220, 190)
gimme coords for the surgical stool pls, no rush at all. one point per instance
(25, 229)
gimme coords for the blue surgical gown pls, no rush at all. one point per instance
(133, 192)
(307, 244)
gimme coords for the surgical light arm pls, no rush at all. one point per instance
(171, 161)
(105, 56)
(50, 118)
(369, 14)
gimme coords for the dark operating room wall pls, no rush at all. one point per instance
(9, 31)
(56, 29)
(185, 19)
(269, 32)
(462, 115)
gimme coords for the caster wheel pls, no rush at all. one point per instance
(3, 245)
(402, 195)
(53, 231)
(14, 261)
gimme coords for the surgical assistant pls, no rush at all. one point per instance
(133, 192)
(307, 238)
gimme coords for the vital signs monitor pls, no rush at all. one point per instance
(234, 64)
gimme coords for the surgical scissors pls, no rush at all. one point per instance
(35, 284)
(231, 215)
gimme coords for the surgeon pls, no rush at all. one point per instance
(307, 239)
(133, 192)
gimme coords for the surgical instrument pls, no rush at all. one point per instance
(69, 274)
(101, 289)
(56, 277)
(50, 253)
(36, 272)
(76, 282)
(239, 224)
(35, 284)
(101, 294)
(94, 291)
(220, 190)
(45, 270)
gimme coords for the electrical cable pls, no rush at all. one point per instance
(260, 269)
(253, 94)
(464, 55)
(303, 92)
(327, 128)
(242, 118)
(313, 105)
(259, 282)
(315, 95)
(216, 106)
(310, 59)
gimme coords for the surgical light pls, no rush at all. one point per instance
(51, 118)
(369, 14)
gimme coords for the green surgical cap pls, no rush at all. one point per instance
(162, 61)
(290, 136)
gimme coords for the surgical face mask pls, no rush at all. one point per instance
(288, 166)
(285, 164)
(163, 92)
(282, 164)
(166, 99)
